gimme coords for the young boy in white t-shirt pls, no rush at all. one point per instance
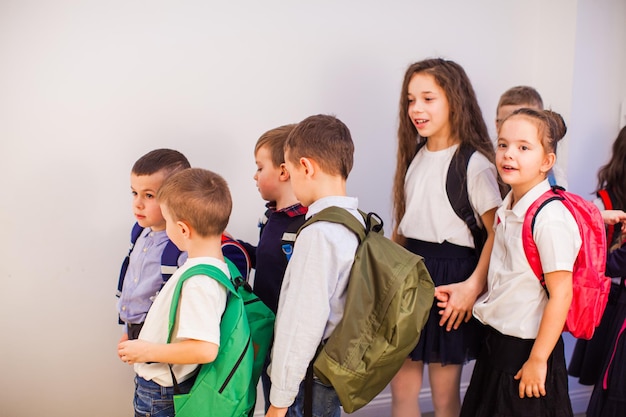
(196, 205)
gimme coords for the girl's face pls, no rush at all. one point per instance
(428, 107)
(520, 156)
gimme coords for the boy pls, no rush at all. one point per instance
(284, 214)
(142, 278)
(142, 274)
(524, 96)
(318, 156)
(196, 205)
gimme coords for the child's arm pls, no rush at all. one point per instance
(532, 376)
(188, 351)
(611, 217)
(457, 300)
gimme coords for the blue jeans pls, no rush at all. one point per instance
(325, 401)
(153, 400)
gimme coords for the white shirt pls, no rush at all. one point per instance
(312, 297)
(429, 216)
(200, 309)
(515, 300)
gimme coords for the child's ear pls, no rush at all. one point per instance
(309, 166)
(184, 228)
(284, 174)
(548, 163)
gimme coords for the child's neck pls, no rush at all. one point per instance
(201, 246)
(519, 191)
(439, 143)
(330, 186)
(287, 199)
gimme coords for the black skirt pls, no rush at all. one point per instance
(589, 355)
(446, 263)
(609, 394)
(493, 392)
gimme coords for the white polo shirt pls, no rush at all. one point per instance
(515, 300)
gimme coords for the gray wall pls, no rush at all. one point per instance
(86, 87)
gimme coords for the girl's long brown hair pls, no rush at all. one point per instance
(466, 122)
(612, 176)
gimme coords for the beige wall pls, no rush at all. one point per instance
(86, 87)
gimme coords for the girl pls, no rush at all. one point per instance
(439, 113)
(589, 355)
(521, 368)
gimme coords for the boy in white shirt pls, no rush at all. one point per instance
(318, 156)
(196, 205)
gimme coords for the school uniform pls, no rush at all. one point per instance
(202, 304)
(513, 307)
(435, 232)
(609, 394)
(311, 304)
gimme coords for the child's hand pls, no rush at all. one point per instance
(532, 378)
(134, 351)
(456, 302)
(611, 217)
(122, 339)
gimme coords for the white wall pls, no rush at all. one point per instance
(86, 87)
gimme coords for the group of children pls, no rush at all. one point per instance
(490, 305)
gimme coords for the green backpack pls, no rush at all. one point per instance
(227, 386)
(388, 300)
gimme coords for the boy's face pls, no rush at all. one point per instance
(505, 111)
(267, 175)
(145, 207)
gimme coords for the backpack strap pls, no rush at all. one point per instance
(134, 235)
(289, 236)
(237, 254)
(613, 231)
(202, 269)
(457, 192)
(528, 242)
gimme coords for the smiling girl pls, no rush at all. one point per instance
(439, 117)
(521, 368)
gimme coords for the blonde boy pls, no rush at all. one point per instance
(318, 156)
(196, 205)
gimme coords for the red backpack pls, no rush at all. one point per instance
(590, 285)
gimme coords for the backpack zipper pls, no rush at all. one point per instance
(232, 372)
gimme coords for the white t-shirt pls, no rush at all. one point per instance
(515, 300)
(429, 215)
(200, 309)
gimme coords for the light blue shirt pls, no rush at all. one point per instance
(143, 278)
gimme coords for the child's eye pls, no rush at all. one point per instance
(524, 148)
(149, 196)
(411, 101)
(133, 193)
(429, 98)
(501, 145)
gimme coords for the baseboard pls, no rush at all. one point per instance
(381, 405)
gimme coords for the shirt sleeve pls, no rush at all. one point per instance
(202, 304)
(557, 237)
(483, 188)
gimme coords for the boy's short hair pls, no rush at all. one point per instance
(199, 197)
(325, 139)
(274, 141)
(167, 160)
(520, 95)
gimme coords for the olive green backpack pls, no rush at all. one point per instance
(227, 386)
(388, 300)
